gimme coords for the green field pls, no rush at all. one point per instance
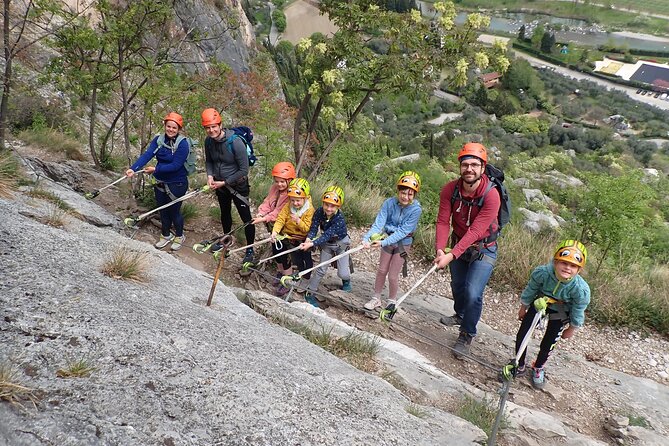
(611, 19)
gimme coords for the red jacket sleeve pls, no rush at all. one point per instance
(444, 217)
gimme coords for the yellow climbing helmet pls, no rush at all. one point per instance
(299, 188)
(334, 195)
(571, 251)
(409, 179)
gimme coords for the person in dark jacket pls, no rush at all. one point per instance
(227, 167)
(171, 151)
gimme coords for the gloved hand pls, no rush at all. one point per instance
(541, 304)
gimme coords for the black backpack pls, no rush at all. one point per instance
(496, 176)
(246, 135)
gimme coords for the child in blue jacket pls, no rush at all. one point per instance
(333, 241)
(559, 280)
(398, 219)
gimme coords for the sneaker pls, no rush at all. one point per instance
(391, 302)
(538, 378)
(178, 241)
(248, 257)
(346, 286)
(215, 247)
(163, 241)
(462, 345)
(451, 320)
(374, 302)
(312, 299)
(277, 279)
(521, 370)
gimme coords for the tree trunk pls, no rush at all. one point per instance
(105, 140)
(124, 104)
(91, 125)
(7, 75)
(328, 149)
(296, 128)
(604, 254)
(310, 130)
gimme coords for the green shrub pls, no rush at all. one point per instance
(189, 211)
(9, 174)
(279, 19)
(480, 413)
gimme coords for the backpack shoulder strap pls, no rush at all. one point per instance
(489, 187)
(456, 194)
(159, 142)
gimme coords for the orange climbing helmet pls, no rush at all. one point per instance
(284, 170)
(334, 195)
(299, 188)
(175, 117)
(474, 149)
(571, 251)
(210, 116)
(409, 179)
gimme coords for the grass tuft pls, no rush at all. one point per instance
(189, 211)
(54, 141)
(9, 174)
(12, 389)
(80, 368)
(416, 410)
(126, 265)
(480, 413)
(51, 197)
(356, 349)
(54, 216)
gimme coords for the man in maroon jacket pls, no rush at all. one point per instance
(470, 206)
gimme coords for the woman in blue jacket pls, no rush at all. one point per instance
(397, 219)
(171, 151)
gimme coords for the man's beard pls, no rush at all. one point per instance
(471, 182)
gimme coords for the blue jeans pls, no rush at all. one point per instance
(468, 280)
(171, 216)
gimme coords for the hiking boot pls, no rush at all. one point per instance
(178, 241)
(538, 378)
(282, 290)
(374, 302)
(248, 256)
(462, 345)
(312, 299)
(163, 241)
(451, 320)
(346, 286)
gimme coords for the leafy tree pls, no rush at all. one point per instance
(340, 74)
(521, 76)
(521, 32)
(24, 24)
(547, 42)
(611, 212)
(537, 35)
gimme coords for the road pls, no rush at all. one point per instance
(488, 39)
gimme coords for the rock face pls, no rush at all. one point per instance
(168, 369)
(233, 33)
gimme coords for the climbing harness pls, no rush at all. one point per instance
(389, 312)
(132, 222)
(96, 192)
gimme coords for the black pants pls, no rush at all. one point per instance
(551, 336)
(225, 199)
(301, 259)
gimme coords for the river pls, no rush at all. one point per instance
(572, 30)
